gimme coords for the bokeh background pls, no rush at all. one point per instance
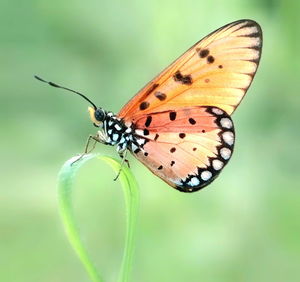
(243, 227)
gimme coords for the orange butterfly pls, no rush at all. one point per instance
(179, 124)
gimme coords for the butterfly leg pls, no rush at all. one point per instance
(95, 139)
(124, 160)
(127, 162)
(86, 150)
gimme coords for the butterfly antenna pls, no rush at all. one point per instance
(68, 89)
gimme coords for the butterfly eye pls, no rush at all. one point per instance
(99, 114)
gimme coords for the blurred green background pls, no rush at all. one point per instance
(243, 227)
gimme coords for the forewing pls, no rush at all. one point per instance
(216, 71)
(187, 148)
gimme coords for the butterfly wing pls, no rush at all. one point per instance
(216, 71)
(187, 148)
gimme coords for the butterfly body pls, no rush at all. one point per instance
(113, 131)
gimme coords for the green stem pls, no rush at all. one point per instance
(131, 194)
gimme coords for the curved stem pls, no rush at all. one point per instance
(131, 194)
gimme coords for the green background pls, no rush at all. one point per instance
(243, 227)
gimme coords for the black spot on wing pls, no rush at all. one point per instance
(151, 89)
(148, 121)
(144, 105)
(160, 96)
(172, 115)
(192, 121)
(184, 79)
(203, 53)
(210, 59)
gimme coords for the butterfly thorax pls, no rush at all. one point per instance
(113, 131)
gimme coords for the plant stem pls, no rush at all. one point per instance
(131, 194)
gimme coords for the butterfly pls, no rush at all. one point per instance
(179, 125)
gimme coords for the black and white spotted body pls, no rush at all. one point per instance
(113, 131)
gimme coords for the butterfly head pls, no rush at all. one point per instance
(111, 129)
(97, 115)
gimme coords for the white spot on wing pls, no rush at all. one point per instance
(217, 164)
(177, 182)
(225, 153)
(141, 141)
(226, 123)
(139, 132)
(194, 181)
(217, 111)
(228, 137)
(206, 174)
